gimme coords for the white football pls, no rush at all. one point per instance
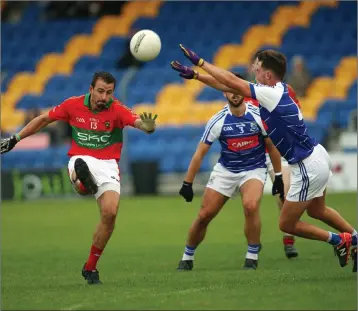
(145, 45)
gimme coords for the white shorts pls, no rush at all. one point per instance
(229, 183)
(269, 163)
(309, 177)
(105, 173)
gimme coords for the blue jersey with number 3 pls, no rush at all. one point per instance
(241, 138)
(284, 121)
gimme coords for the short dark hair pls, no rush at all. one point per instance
(274, 61)
(105, 76)
(238, 75)
(254, 56)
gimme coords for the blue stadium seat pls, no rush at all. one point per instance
(174, 146)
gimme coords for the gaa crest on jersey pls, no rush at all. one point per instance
(107, 124)
(253, 127)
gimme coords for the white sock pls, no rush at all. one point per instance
(287, 234)
(187, 257)
(354, 232)
(252, 256)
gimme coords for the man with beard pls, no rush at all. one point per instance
(240, 168)
(97, 120)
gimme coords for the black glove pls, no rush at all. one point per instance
(186, 191)
(278, 187)
(8, 143)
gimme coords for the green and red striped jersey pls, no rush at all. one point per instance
(96, 134)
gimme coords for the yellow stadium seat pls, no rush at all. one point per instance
(145, 108)
(104, 23)
(152, 9)
(48, 62)
(20, 81)
(174, 94)
(225, 55)
(79, 46)
(12, 121)
(272, 38)
(256, 31)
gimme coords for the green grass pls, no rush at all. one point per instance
(45, 243)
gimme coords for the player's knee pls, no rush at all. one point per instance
(286, 226)
(205, 215)
(251, 207)
(109, 215)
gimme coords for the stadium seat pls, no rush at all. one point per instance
(185, 105)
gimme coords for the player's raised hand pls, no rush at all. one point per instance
(8, 143)
(278, 187)
(148, 122)
(185, 72)
(192, 56)
(186, 191)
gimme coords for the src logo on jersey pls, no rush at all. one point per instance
(244, 143)
(107, 124)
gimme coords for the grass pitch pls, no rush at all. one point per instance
(45, 243)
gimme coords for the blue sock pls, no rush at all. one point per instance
(334, 238)
(354, 238)
(252, 251)
(189, 253)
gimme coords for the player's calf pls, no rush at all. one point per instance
(252, 232)
(196, 235)
(212, 203)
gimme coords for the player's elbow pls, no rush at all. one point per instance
(44, 118)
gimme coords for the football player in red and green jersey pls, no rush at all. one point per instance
(97, 120)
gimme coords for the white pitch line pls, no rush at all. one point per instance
(74, 307)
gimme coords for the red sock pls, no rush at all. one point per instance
(93, 257)
(288, 240)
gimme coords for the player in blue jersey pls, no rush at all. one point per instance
(240, 168)
(309, 161)
(288, 239)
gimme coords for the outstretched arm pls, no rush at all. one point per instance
(225, 77)
(35, 125)
(212, 82)
(189, 73)
(31, 128)
(268, 97)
